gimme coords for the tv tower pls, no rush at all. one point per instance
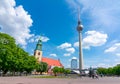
(79, 29)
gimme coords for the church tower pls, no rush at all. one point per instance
(38, 51)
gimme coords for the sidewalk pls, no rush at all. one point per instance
(83, 80)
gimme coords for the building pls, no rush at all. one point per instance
(38, 51)
(74, 64)
(51, 62)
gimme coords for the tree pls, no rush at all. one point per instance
(116, 70)
(110, 71)
(13, 58)
(58, 70)
(30, 64)
(7, 45)
(55, 70)
(24, 62)
(42, 67)
(61, 70)
(67, 71)
(6, 59)
(102, 71)
(7, 40)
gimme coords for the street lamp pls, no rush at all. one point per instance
(79, 29)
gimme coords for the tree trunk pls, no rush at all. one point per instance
(40, 73)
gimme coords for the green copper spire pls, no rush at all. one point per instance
(39, 44)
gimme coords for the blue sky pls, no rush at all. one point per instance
(56, 21)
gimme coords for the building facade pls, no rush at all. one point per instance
(74, 64)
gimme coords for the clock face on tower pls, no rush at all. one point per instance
(38, 53)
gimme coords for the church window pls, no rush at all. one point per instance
(38, 53)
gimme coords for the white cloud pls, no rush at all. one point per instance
(15, 21)
(45, 39)
(118, 54)
(115, 48)
(93, 38)
(67, 54)
(76, 44)
(74, 57)
(64, 45)
(70, 50)
(32, 40)
(54, 55)
(111, 49)
(37, 37)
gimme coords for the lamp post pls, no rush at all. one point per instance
(79, 29)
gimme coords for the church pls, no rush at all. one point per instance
(51, 62)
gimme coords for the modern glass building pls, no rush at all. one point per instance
(74, 64)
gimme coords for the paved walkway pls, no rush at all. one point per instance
(28, 80)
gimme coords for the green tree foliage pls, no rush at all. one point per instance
(7, 45)
(42, 67)
(6, 58)
(67, 71)
(13, 58)
(6, 40)
(29, 64)
(111, 71)
(116, 70)
(55, 70)
(60, 71)
(102, 71)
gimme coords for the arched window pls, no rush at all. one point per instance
(38, 53)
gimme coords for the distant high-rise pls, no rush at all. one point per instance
(74, 64)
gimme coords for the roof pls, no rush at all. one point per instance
(39, 45)
(52, 62)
